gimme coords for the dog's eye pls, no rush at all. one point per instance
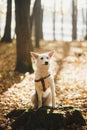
(41, 58)
(47, 57)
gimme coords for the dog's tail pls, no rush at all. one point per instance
(46, 93)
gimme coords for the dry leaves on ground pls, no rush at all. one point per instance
(71, 84)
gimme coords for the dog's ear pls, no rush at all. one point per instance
(34, 55)
(51, 53)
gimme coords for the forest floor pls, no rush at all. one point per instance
(70, 73)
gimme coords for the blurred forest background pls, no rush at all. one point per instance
(59, 20)
(41, 26)
(32, 21)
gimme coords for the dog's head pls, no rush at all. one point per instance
(43, 59)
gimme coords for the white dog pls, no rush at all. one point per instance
(44, 82)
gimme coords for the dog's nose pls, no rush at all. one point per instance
(46, 63)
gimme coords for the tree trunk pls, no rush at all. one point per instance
(24, 45)
(86, 26)
(54, 22)
(83, 20)
(33, 16)
(74, 19)
(41, 21)
(7, 33)
(62, 19)
(37, 18)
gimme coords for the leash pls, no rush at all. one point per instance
(42, 81)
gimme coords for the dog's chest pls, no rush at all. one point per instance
(43, 84)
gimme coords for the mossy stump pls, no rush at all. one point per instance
(61, 118)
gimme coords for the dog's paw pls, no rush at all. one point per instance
(53, 107)
(53, 104)
(39, 106)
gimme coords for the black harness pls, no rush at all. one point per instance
(42, 81)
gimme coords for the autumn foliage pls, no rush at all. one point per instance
(70, 74)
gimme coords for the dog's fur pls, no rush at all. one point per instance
(41, 97)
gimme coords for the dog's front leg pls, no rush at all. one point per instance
(53, 93)
(39, 99)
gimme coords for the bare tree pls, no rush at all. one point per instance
(86, 25)
(7, 32)
(62, 19)
(36, 18)
(24, 45)
(54, 22)
(74, 19)
(83, 20)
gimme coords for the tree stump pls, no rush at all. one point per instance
(61, 118)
